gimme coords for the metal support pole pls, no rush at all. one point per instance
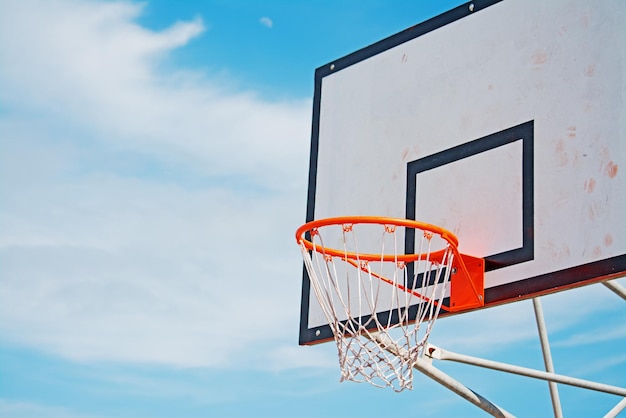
(440, 377)
(460, 389)
(616, 409)
(547, 357)
(441, 354)
(616, 287)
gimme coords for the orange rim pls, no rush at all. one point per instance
(346, 221)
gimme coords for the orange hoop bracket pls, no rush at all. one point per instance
(466, 279)
(467, 284)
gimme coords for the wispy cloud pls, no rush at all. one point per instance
(593, 366)
(595, 336)
(28, 410)
(266, 21)
(292, 356)
(147, 214)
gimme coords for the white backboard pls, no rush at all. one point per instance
(501, 121)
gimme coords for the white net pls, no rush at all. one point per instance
(380, 310)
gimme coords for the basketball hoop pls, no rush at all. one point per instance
(364, 272)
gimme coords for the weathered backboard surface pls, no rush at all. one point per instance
(503, 122)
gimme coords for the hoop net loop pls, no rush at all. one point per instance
(381, 303)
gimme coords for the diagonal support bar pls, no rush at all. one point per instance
(617, 288)
(616, 409)
(441, 354)
(455, 386)
(426, 368)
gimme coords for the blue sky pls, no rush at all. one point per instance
(153, 169)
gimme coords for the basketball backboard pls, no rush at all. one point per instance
(501, 121)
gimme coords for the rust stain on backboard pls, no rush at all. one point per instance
(590, 185)
(561, 153)
(611, 169)
(571, 132)
(539, 58)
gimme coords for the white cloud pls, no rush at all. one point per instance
(597, 365)
(90, 61)
(266, 21)
(12, 409)
(292, 356)
(147, 215)
(595, 336)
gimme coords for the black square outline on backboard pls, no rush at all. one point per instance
(522, 132)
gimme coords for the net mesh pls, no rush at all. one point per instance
(406, 295)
